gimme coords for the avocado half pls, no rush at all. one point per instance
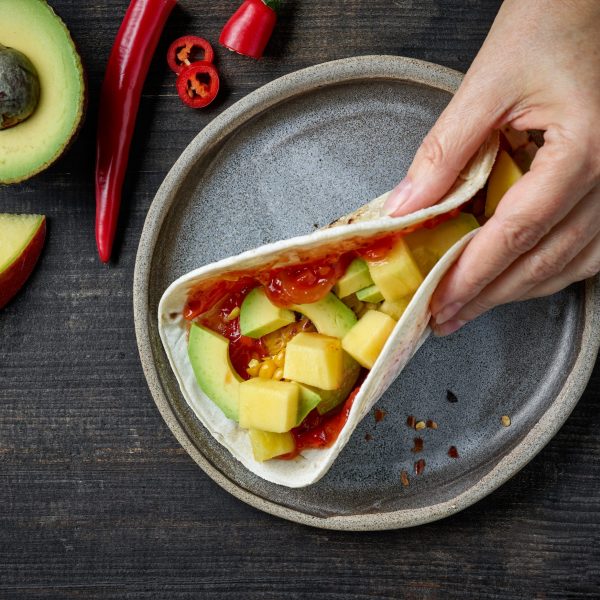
(33, 28)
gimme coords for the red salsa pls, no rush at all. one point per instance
(304, 284)
(211, 304)
(321, 431)
(219, 318)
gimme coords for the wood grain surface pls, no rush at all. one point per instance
(97, 499)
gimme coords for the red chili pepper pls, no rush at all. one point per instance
(198, 84)
(119, 99)
(249, 29)
(179, 55)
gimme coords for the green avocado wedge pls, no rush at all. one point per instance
(209, 356)
(259, 316)
(30, 146)
(329, 315)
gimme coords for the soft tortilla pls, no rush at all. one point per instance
(410, 331)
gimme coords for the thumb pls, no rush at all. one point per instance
(456, 136)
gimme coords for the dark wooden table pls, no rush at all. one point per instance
(97, 499)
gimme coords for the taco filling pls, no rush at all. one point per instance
(281, 343)
(283, 351)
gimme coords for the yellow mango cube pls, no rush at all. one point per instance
(429, 245)
(396, 275)
(268, 405)
(314, 359)
(366, 339)
(395, 309)
(505, 173)
(266, 444)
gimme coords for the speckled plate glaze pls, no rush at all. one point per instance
(295, 155)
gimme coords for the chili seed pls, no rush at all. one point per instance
(505, 420)
(420, 425)
(404, 479)
(418, 445)
(379, 415)
(452, 452)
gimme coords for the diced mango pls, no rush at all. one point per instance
(395, 309)
(370, 294)
(266, 444)
(397, 274)
(429, 245)
(355, 278)
(366, 339)
(326, 400)
(268, 405)
(505, 173)
(314, 359)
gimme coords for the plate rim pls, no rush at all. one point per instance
(396, 68)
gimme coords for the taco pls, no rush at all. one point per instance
(282, 350)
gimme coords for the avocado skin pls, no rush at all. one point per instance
(19, 87)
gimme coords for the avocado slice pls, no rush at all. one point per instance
(259, 316)
(370, 294)
(33, 28)
(209, 355)
(329, 315)
(355, 278)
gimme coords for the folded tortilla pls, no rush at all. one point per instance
(408, 334)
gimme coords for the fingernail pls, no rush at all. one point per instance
(447, 312)
(448, 327)
(398, 196)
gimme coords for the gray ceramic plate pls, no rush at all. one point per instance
(295, 155)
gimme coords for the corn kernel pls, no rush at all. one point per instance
(235, 312)
(253, 367)
(267, 369)
(278, 375)
(280, 358)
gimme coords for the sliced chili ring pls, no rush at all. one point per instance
(198, 84)
(182, 52)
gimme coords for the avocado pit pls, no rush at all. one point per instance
(19, 87)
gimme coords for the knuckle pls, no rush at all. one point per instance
(542, 266)
(589, 269)
(479, 305)
(472, 282)
(520, 236)
(433, 151)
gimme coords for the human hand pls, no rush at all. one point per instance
(539, 68)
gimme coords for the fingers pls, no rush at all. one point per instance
(458, 133)
(551, 262)
(528, 211)
(586, 264)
